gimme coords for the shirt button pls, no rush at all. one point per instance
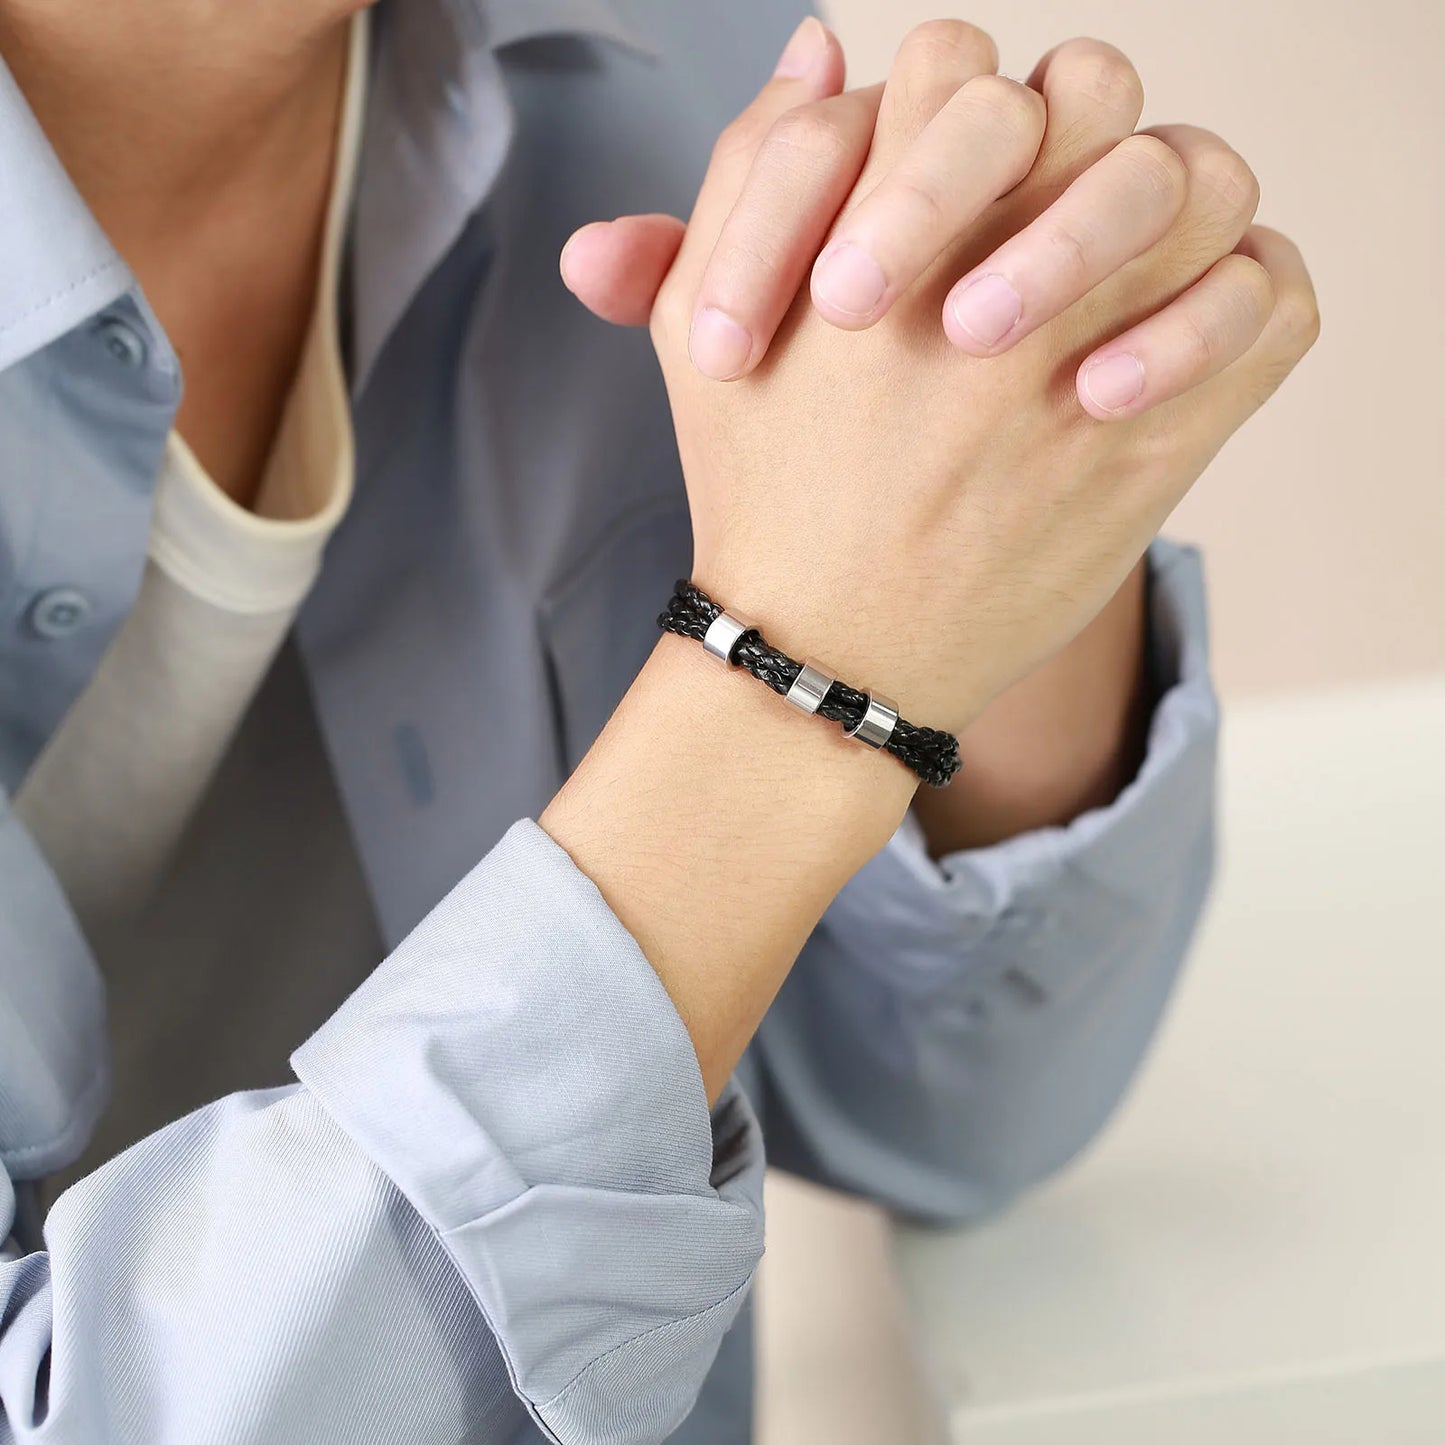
(125, 344)
(59, 611)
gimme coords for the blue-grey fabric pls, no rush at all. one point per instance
(493, 1206)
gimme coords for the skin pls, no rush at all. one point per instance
(1015, 527)
(1014, 522)
(213, 186)
(1068, 736)
(221, 154)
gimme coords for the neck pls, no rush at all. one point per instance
(201, 137)
(162, 111)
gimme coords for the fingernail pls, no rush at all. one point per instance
(849, 280)
(719, 347)
(987, 309)
(1112, 382)
(803, 51)
(562, 259)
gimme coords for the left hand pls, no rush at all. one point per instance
(933, 191)
(1002, 513)
(1066, 737)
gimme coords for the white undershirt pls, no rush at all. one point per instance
(113, 790)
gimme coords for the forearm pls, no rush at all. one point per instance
(1023, 983)
(1063, 740)
(719, 824)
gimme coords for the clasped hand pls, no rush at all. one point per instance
(979, 338)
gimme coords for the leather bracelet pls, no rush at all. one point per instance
(871, 718)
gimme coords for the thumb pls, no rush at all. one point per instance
(614, 268)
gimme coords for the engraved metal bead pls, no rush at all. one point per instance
(876, 725)
(724, 633)
(810, 686)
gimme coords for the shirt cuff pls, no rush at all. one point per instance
(1047, 890)
(519, 1071)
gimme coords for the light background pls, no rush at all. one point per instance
(1323, 521)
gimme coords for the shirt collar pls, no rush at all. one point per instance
(499, 23)
(58, 266)
(434, 150)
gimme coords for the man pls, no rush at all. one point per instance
(497, 1205)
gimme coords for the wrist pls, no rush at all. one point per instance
(696, 744)
(1065, 739)
(718, 823)
(915, 660)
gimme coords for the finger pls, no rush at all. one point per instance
(1292, 329)
(980, 145)
(614, 268)
(1094, 97)
(802, 173)
(811, 69)
(1115, 211)
(1223, 195)
(1192, 339)
(1294, 324)
(935, 59)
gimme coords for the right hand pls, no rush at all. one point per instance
(931, 523)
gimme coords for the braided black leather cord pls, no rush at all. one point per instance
(930, 752)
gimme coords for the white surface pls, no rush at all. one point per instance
(1255, 1252)
(837, 1363)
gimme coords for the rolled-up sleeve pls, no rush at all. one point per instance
(497, 1191)
(959, 1028)
(518, 1071)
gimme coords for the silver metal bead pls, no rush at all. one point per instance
(876, 725)
(724, 633)
(810, 686)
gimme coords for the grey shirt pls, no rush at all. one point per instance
(491, 1203)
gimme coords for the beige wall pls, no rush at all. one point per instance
(1325, 519)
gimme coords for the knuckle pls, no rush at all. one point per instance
(1225, 180)
(948, 45)
(1255, 287)
(1011, 111)
(1103, 76)
(807, 136)
(1197, 342)
(737, 139)
(1264, 370)
(1239, 305)
(746, 256)
(1156, 168)
(1070, 251)
(919, 196)
(1297, 313)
